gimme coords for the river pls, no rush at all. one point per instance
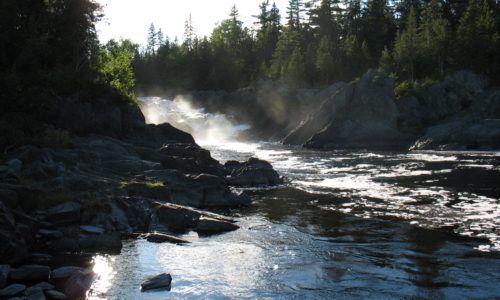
(347, 224)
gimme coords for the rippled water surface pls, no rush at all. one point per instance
(346, 225)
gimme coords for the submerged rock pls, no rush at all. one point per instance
(162, 281)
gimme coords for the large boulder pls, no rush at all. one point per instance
(162, 281)
(475, 128)
(201, 191)
(177, 218)
(461, 135)
(253, 172)
(360, 114)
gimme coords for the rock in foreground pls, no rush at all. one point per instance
(158, 282)
(253, 172)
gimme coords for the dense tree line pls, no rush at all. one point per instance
(322, 41)
(49, 52)
(49, 49)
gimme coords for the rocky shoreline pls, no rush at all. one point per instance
(149, 182)
(460, 112)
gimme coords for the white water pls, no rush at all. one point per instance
(206, 128)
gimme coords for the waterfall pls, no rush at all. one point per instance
(206, 128)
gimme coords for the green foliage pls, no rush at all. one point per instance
(115, 67)
(411, 87)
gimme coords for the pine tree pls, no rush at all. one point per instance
(152, 40)
(189, 34)
(434, 36)
(160, 37)
(405, 47)
(294, 13)
(378, 27)
(478, 36)
(324, 59)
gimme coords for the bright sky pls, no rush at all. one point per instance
(132, 18)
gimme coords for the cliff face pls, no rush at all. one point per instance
(458, 113)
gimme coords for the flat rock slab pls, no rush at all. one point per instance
(209, 226)
(30, 272)
(157, 237)
(12, 290)
(92, 229)
(158, 282)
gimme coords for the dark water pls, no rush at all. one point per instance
(347, 225)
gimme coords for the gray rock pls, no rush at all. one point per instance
(174, 217)
(65, 213)
(177, 218)
(461, 135)
(52, 234)
(30, 272)
(204, 190)
(360, 114)
(209, 226)
(92, 229)
(12, 290)
(4, 275)
(157, 237)
(253, 172)
(55, 295)
(162, 281)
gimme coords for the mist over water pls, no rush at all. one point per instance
(206, 128)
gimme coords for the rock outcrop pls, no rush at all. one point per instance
(474, 123)
(359, 114)
(458, 113)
